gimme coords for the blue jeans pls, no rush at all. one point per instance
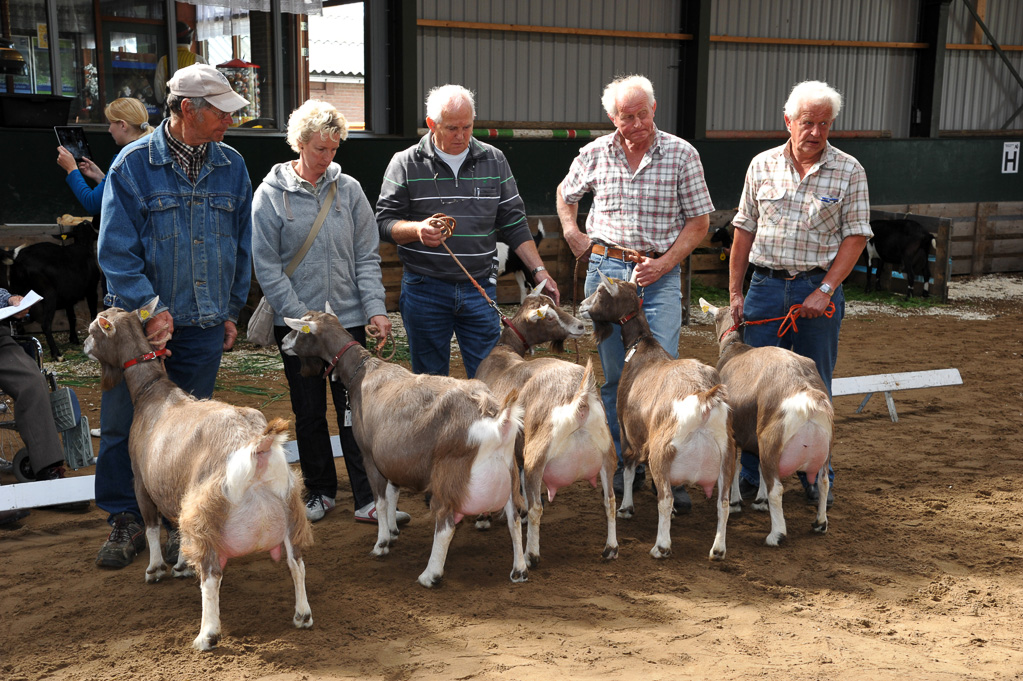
(817, 338)
(662, 305)
(315, 455)
(192, 365)
(432, 310)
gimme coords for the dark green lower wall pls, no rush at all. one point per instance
(32, 187)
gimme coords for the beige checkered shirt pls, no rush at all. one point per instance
(799, 224)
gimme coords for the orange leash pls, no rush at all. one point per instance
(787, 322)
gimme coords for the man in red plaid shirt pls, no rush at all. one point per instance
(649, 195)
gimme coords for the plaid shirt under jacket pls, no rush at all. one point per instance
(646, 210)
(800, 224)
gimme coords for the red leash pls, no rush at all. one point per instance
(788, 321)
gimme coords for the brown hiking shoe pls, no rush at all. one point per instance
(127, 538)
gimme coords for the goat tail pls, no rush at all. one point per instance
(261, 459)
(509, 420)
(699, 410)
(807, 407)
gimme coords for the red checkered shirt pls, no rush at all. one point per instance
(800, 223)
(645, 210)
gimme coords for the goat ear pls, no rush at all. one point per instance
(633, 279)
(537, 289)
(538, 314)
(105, 325)
(707, 307)
(301, 325)
(147, 310)
(611, 287)
(328, 309)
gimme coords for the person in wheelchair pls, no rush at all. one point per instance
(21, 379)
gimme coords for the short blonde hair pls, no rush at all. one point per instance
(316, 116)
(812, 93)
(622, 85)
(131, 111)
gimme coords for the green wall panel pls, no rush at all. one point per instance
(32, 187)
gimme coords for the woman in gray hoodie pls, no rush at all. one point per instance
(342, 266)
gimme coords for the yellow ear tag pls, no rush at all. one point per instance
(306, 329)
(144, 314)
(542, 314)
(705, 308)
(103, 323)
(723, 256)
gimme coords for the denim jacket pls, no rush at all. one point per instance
(160, 235)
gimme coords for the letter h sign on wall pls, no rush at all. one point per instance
(1010, 157)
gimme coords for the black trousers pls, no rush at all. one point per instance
(21, 379)
(309, 402)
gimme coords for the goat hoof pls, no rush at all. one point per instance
(717, 554)
(610, 553)
(820, 528)
(154, 575)
(625, 512)
(659, 552)
(532, 560)
(380, 550)
(182, 571)
(483, 523)
(430, 581)
(303, 620)
(519, 576)
(735, 507)
(761, 505)
(774, 540)
(206, 642)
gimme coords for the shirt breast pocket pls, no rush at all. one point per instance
(163, 217)
(825, 213)
(769, 203)
(222, 214)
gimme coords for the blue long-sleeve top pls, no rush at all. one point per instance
(91, 198)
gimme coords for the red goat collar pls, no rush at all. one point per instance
(148, 357)
(507, 322)
(337, 357)
(621, 322)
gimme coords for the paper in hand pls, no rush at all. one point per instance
(30, 299)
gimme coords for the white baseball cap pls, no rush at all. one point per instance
(202, 80)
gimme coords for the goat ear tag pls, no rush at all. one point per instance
(144, 314)
(104, 323)
(305, 329)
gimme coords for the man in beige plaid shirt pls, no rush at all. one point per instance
(803, 220)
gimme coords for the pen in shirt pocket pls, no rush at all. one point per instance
(827, 199)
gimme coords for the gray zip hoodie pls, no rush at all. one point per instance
(342, 265)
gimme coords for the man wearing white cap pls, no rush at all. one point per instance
(176, 225)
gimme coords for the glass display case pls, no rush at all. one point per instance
(133, 51)
(244, 78)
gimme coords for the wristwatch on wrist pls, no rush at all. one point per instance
(541, 268)
(826, 289)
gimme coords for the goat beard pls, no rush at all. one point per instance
(601, 330)
(110, 376)
(558, 346)
(312, 366)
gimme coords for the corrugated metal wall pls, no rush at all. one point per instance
(749, 83)
(544, 78)
(541, 78)
(979, 90)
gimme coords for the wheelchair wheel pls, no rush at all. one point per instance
(22, 466)
(10, 441)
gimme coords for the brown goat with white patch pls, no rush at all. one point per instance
(672, 412)
(439, 434)
(565, 435)
(217, 470)
(781, 412)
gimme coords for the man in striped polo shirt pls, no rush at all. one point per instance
(451, 172)
(803, 220)
(649, 195)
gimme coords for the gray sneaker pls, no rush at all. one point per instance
(127, 538)
(318, 506)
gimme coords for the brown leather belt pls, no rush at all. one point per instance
(784, 274)
(617, 253)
